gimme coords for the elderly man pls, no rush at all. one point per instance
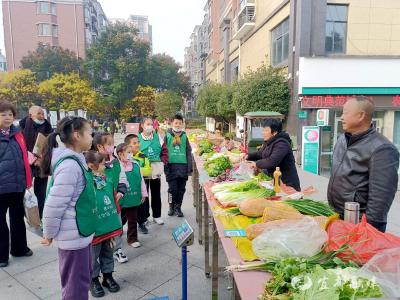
(32, 125)
(365, 165)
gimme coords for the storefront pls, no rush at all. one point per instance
(326, 84)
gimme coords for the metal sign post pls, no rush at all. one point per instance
(183, 235)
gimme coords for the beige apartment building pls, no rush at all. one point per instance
(331, 50)
(70, 24)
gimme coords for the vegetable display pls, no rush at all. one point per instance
(228, 198)
(217, 166)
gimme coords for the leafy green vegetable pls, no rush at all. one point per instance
(262, 177)
(204, 147)
(245, 186)
(217, 166)
(343, 284)
(311, 207)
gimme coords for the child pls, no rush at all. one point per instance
(104, 144)
(109, 227)
(179, 165)
(135, 195)
(69, 216)
(228, 144)
(155, 150)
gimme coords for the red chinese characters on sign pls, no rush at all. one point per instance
(396, 101)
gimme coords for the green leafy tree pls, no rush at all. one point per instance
(163, 74)
(116, 63)
(69, 92)
(48, 60)
(20, 88)
(167, 104)
(215, 100)
(266, 89)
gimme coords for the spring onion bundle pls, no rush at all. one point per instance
(228, 198)
(311, 207)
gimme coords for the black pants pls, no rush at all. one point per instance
(14, 203)
(40, 189)
(154, 189)
(177, 189)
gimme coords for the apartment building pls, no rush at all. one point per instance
(331, 50)
(70, 24)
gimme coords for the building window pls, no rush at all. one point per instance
(336, 29)
(280, 43)
(46, 7)
(45, 29)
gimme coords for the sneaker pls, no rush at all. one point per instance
(143, 229)
(3, 264)
(159, 221)
(171, 210)
(178, 211)
(120, 256)
(136, 244)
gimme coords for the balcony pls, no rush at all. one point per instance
(245, 21)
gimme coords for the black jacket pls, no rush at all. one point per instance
(30, 130)
(12, 169)
(277, 152)
(364, 170)
(173, 171)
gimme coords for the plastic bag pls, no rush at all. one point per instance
(244, 170)
(364, 239)
(301, 238)
(384, 268)
(31, 209)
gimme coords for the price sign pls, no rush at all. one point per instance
(183, 234)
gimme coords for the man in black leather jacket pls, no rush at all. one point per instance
(365, 165)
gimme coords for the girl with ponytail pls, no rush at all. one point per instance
(69, 216)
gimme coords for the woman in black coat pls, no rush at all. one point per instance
(276, 152)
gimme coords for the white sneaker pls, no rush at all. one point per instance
(120, 256)
(159, 221)
(136, 244)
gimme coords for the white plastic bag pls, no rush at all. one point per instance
(31, 208)
(384, 268)
(244, 170)
(302, 238)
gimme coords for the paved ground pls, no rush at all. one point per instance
(154, 270)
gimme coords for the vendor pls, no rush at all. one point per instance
(276, 152)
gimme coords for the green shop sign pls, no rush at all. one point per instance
(310, 146)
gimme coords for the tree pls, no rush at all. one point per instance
(266, 89)
(215, 100)
(116, 63)
(48, 60)
(163, 74)
(20, 88)
(69, 92)
(145, 101)
(167, 104)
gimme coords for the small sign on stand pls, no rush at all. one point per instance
(183, 235)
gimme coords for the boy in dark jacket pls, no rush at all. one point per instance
(179, 167)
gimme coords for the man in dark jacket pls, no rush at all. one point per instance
(32, 125)
(179, 166)
(365, 165)
(276, 152)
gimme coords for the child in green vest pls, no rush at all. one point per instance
(148, 148)
(109, 227)
(135, 195)
(104, 144)
(179, 166)
(69, 217)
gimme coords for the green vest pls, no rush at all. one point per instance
(144, 163)
(86, 206)
(133, 196)
(177, 154)
(151, 148)
(107, 216)
(113, 174)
